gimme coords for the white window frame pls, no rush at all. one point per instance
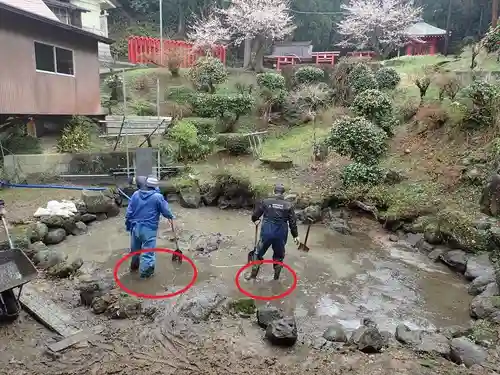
(58, 11)
(54, 46)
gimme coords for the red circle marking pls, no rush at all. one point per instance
(154, 296)
(266, 298)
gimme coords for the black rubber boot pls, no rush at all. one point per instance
(255, 271)
(277, 271)
(134, 264)
(148, 273)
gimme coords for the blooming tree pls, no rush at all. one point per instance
(262, 21)
(208, 31)
(378, 24)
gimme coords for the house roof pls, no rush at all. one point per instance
(38, 10)
(424, 29)
(286, 44)
(66, 5)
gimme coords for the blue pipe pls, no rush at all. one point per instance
(123, 193)
(34, 186)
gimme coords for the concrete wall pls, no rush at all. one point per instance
(26, 165)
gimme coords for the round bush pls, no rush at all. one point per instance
(372, 104)
(361, 174)
(271, 81)
(308, 75)
(387, 78)
(358, 139)
(190, 146)
(206, 73)
(362, 78)
(234, 143)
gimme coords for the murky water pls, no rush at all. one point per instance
(343, 278)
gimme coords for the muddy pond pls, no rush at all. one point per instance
(343, 278)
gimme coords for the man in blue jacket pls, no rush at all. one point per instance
(142, 219)
(278, 215)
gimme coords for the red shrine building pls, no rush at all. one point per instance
(423, 39)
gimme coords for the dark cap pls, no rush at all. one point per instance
(279, 189)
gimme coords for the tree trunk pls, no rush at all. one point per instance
(258, 50)
(248, 53)
(494, 13)
(448, 24)
(181, 27)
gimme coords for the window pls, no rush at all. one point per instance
(61, 14)
(53, 59)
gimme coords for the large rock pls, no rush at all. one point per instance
(45, 259)
(201, 307)
(91, 287)
(207, 243)
(125, 306)
(464, 351)
(38, 231)
(312, 214)
(478, 265)
(209, 194)
(87, 218)
(491, 290)
(55, 221)
(459, 231)
(99, 201)
(35, 248)
(335, 333)
(408, 337)
(486, 307)
(64, 269)
(267, 314)
(478, 285)
(54, 236)
(282, 332)
(490, 199)
(456, 259)
(341, 226)
(190, 197)
(368, 339)
(434, 344)
(80, 228)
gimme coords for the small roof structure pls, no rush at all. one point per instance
(65, 5)
(39, 11)
(423, 29)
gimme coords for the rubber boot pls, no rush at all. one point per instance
(148, 273)
(255, 271)
(277, 271)
(134, 264)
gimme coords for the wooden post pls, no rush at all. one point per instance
(494, 13)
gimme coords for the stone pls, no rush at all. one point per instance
(393, 238)
(435, 254)
(292, 198)
(434, 344)
(367, 339)
(207, 243)
(101, 303)
(478, 265)
(113, 211)
(464, 351)
(491, 290)
(490, 198)
(282, 332)
(63, 270)
(341, 226)
(80, 206)
(408, 337)
(267, 314)
(319, 343)
(98, 201)
(125, 307)
(456, 331)
(87, 218)
(101, 217)
(335, 333)
(393, 177)
(34, 248)
(426, 247)
(54, 236)
(55, 221)
(486, 307)
(190, 197)
(455, 259)
(478, 285)
(312, 214)
(201, 307)
(80, 228)
(209, 194)
(38, 231)
(433, 236)
(45, 259)
(91, 287)
(414, 239)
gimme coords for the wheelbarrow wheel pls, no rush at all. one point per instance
(9, 306)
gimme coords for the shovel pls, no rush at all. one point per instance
(254, 251)
(303, 245)
(176, 257)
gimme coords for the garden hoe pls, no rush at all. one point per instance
(177, 256)
(253, 252)
(303, 245)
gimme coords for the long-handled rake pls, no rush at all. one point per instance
(254, 251)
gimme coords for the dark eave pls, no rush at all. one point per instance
(61, 25)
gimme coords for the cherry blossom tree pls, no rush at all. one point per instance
(261, 21)
(379, 25)
(208, 31)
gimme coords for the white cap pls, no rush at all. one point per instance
(152, 182)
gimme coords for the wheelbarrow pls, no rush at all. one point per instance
(16, 269)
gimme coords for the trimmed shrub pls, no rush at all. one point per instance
(308, 75)
(387, 78)
(76, 135)
(204, 126)
(190, 146)
(374, 105)
(361, 174)
(483, 97)
(358, 139)
(271, 81)
(234, 143)
(361, 78)
(144, 108)
(206, 73)
(180, 94)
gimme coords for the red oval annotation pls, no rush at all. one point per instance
(266, 298)
(154, 296)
